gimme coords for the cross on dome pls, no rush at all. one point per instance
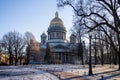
(56, 14)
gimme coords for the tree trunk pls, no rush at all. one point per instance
(95, 56)
(82, 59)
(28, 55)
(115, 58)
(119, 59)
(20, 61)
(16, 61)
(102, 57)
(11, 59)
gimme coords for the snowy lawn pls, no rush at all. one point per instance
(45, 72)
(24, 73)
(107, 72)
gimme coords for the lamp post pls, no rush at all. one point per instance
(90, 61)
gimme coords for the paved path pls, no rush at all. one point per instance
(69, 76)
(110, 75)
(106, 76)
(100, 73)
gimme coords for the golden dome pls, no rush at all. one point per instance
(56, 21)
(56, 24)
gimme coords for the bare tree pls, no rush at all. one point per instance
(7, 44)
(80, 31)
(98, 13)
(28, 36)
(13, 43)
(0, 46)
(48, 56)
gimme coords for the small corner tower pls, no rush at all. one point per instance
(73, 38)
(43, 38)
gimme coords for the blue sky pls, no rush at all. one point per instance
(31, 15)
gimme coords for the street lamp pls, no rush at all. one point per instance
(90, 61)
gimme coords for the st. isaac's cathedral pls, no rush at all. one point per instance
(54, 47)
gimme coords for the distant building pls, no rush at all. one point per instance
(4, 59)
(34, 52)
(55, 45)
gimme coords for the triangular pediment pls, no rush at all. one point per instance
(61, 47)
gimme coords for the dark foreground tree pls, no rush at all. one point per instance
(98, 14)
(28, 36)
(79, 30)
(13, 43)
(48, 56)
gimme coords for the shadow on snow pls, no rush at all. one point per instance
(84, 77)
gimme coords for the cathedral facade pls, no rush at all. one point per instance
(54, 47)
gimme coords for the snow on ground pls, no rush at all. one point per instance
(45, 72)
(108, 72)
(23, 73)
